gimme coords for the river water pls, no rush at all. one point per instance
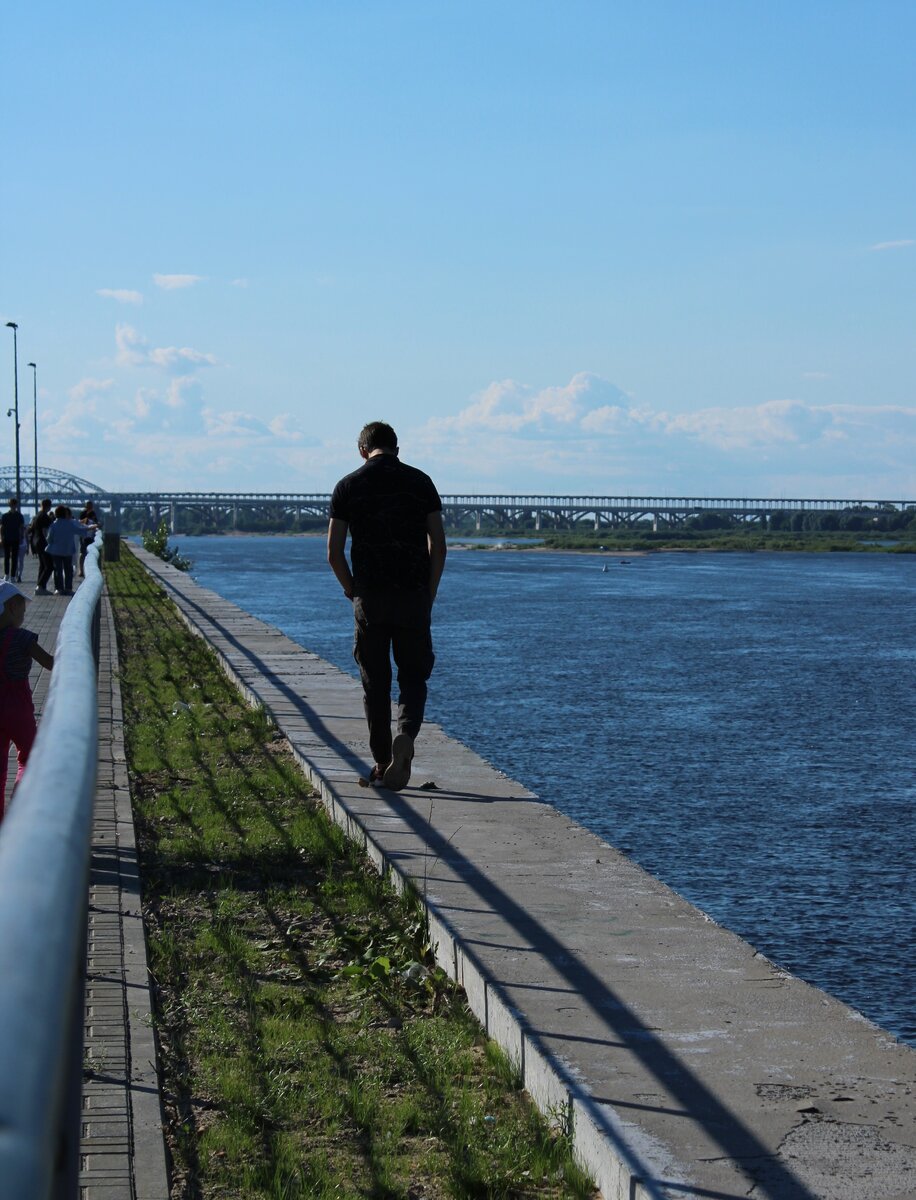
(743, 725)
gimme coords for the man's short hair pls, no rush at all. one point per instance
(377, 436)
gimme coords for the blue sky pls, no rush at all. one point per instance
(662, 248)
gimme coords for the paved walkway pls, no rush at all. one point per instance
(684, 1063)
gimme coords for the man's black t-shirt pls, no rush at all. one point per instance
(39, 530)
(386, 503)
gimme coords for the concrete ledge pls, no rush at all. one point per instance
(683, 1062)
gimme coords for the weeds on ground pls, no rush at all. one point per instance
(309, 1046)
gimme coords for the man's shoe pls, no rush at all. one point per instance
(42, 591)
(397, 773)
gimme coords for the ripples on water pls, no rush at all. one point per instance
(741, 725)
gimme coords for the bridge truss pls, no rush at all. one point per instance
(517, 513)
(503, 512)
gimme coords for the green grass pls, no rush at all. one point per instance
(308, 1045)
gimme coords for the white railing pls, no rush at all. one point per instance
(45, 844)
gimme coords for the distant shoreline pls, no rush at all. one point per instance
(806, 546)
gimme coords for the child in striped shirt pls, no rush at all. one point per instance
(19, 648)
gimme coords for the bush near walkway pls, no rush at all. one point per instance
(308, 1045)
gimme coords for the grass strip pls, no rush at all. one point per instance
(308, 1044)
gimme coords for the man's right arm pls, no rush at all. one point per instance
(438, 549)
(337, 543)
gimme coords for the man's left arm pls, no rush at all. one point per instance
(435, 537)
(337, 544)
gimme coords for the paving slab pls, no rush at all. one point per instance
(683, 1062)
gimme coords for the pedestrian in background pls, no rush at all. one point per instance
(19, 648)
(61, 537)
(88, 517)
(38, 540)
(11, 524)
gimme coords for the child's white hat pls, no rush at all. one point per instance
(8, 591)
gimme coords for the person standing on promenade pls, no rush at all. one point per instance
(19, 648)
(394, 516)
(61, 536)
(38, 536)
(87, 517)
(11, 524)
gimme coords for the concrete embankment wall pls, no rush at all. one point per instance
(683, 1062)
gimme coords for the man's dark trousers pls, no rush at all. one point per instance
(45, 567)
(395, 622)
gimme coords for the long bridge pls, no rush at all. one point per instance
(221, 510)
(504, 512)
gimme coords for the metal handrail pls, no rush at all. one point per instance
(45, 843)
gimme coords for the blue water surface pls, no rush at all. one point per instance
(742, 725)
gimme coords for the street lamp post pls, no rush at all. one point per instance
(15, 409)
(35, 419)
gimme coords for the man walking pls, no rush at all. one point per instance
(38, 535)
(394, 516)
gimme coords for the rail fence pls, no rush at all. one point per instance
(45, 844)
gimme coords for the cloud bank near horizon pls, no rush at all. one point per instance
(151, 415)
(588, 436)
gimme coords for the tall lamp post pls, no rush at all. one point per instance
(35, 419)
(15, 409)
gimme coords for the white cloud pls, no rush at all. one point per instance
(133, 350)
(166, 435)
(772, 424)
(510, 407)
(894, 245)
(89, 387)
(171, 283)
(182, 391)
(131, 346)
(282, 427)
(124, 295)
(587, 437)
(239, 283)
(171, 358)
